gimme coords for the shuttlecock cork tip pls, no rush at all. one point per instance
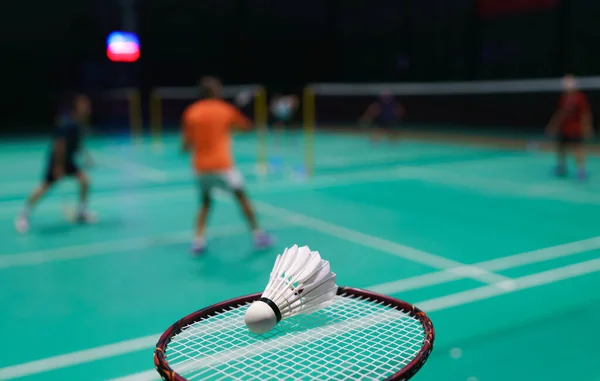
(262, 316)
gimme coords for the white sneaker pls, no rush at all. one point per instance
(22, 224)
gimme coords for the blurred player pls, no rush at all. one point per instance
(207, 126)
(385, 113)
(571, 125)
(61, 160)
(283, 108)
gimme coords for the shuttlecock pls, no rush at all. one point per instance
(301, 282)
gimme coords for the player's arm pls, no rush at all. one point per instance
(554, 124)
(186, 132)
(186, 144)
(400, 111)
(586, 118)
(588, 128)
(371, 113)
(240, 121)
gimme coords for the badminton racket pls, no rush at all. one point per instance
(362, 335)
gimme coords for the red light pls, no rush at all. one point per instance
(123, 56)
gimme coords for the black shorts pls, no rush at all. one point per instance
(564, 141)
(71, 169)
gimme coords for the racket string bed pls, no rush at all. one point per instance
(354, 338)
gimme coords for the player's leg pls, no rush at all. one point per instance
(377, 134)
(83, 213)
(22, 221)
(236, 183)
(580, 156)
(50, 177)
(205, 183)
(392, 132)
(261, 238)
(561, 156)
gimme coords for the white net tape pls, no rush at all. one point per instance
(354, 338)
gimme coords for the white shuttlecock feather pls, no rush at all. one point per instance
(301, 282)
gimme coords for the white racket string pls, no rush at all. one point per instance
(354, 338)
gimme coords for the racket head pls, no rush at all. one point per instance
(409, 367)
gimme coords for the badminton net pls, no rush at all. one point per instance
(511, 106)
(351, 339)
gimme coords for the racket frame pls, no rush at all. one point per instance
(168, 374)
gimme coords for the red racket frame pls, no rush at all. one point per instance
(162, 366)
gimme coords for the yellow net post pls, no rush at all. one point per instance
(261, 120)
(156, 120)
(308, 111)
(135, 115)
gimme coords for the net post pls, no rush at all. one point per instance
(155, 119)
(261, 120)
(308, 117)
(135, 115)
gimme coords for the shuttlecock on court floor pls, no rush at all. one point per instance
(301, 282)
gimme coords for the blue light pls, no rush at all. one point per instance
(122, 37)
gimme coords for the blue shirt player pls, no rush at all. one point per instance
(384, 114)
(61, 160)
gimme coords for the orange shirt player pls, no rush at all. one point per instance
(207, 126)
(571, 125)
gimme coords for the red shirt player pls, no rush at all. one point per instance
(571, 125)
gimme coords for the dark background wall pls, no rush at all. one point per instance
(50, 46)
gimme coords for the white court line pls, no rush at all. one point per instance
(133, 168)
(430, 306)
(259, 184)
(548, 190)
(188, 190)
(383, 157)
(65, 253)
(521, 283)
(498, 264)
(158, 176)
(148, 342)
(399, 250)
(431, 173)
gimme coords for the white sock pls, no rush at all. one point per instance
(199, 241)
(82, 207)
(257, 233)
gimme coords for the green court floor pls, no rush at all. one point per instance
(504, 257)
